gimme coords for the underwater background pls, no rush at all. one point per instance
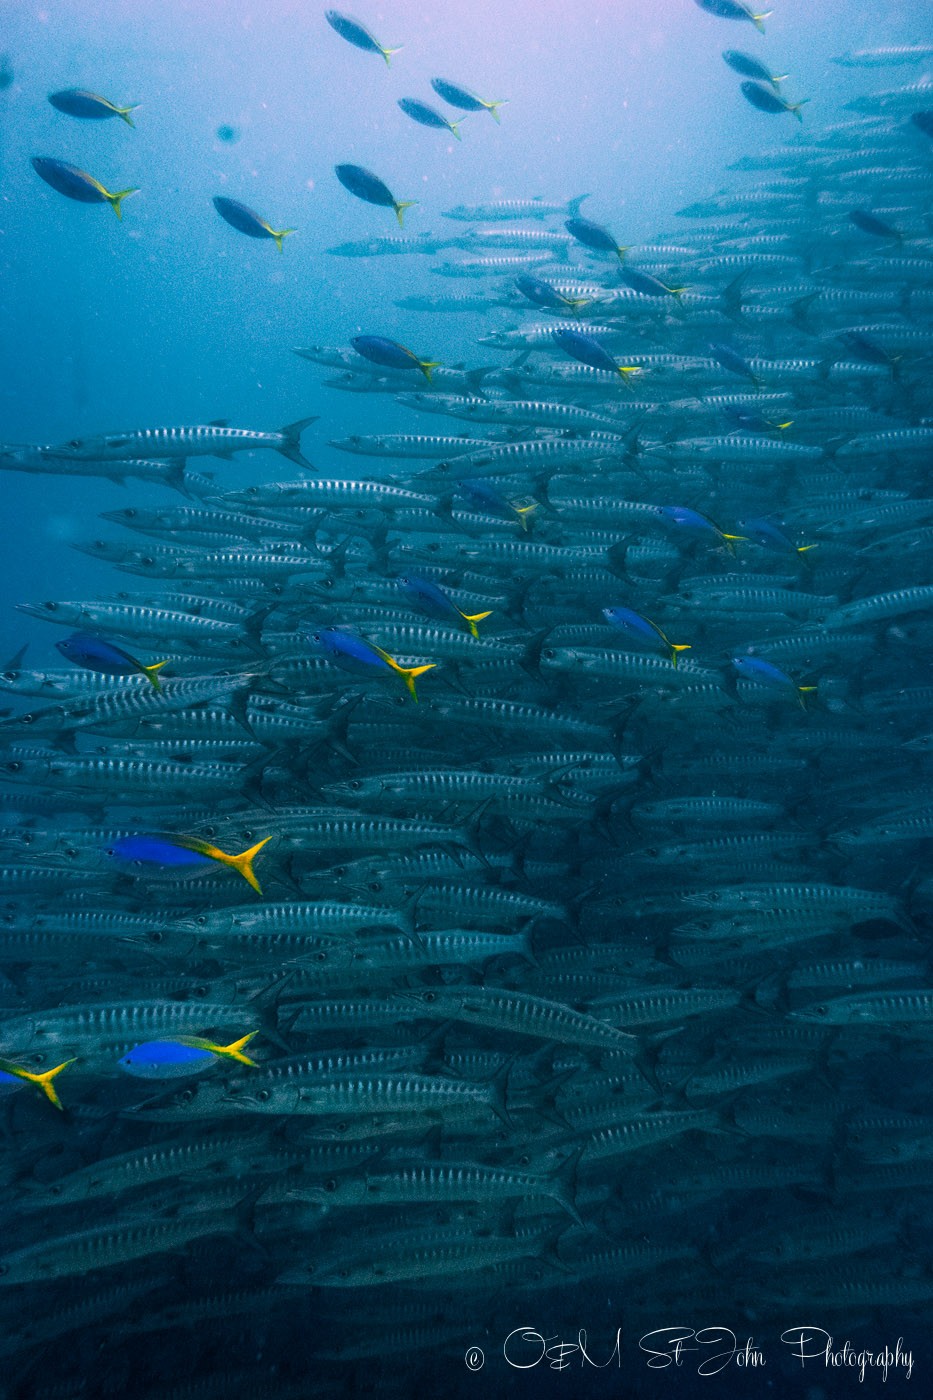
(619, 1023)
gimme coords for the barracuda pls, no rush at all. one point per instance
(510, 411)
(212, 439)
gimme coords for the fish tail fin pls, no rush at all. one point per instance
(400, 206)
(124, 113)
(455, 128)
(387, 54)
(410, 674)
(796, 106)
(621, 251)
(44, 1080)
(151, 673)
(573, 205)
(678, 291)
(676, 648)
(778, 78)
(234, 1051)
(472, 619)
(114, 200)
(493, 108)
(525, 513)
(575, 302)
(803, 548)
(279, 234)
(291, 441)
(803, 691)
(759, 20)
(426, 367)
(731, 541)
(243, 863)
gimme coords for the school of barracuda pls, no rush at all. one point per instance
(457, 884)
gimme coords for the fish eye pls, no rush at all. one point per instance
(320, 956)
(375, 886)
(186, 1096)
(27, 719)
(100, 544)
(340, 870)
(50, 607)
(75, 442)
(356, 784)
(429, 996)
(130, 513)
(342, 1126)
(264, 1095)
(200, 991)
(13, 767)
(147, 562)
(154, 936)
(330, 1185)
(821, 1010)
(55, 1189)
(652, 851)
(201, 920)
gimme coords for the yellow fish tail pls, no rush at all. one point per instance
(677, 647)
(278, 234)
(525, 513)
(493, 108)
(758, 20)
(43, 1081)
(114, 200)
(410, 674)
(455, 128)
(471, 619)
(124, 113)
(243, 863)
(400, 206)
(730, 541)
(387, 54)
(234, 1051)
(803, 548)
(426, 367)
(150, 673)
